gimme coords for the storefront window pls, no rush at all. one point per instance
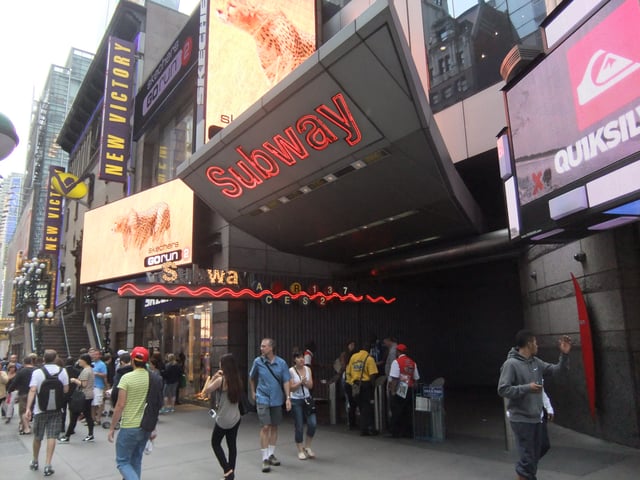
(187, 334)
(175, 145)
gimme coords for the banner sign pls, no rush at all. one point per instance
(578, 111)
(52, 216)
(138, 234)
(115, 139)
(250, 48)
(178, 60)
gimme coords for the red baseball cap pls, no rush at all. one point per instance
(401, 347)
(140, 353)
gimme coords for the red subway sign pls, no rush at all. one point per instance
(315, 131)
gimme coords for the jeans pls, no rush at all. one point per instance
(297, 407)
(529, 439)
(129, 450)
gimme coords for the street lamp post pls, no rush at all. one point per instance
(39, 315)
(105, 320)
(31, 287)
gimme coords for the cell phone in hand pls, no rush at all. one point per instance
(213, 413)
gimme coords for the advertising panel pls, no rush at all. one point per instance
(52, 216)
(253, 45)
(115, 138)
(138, 234)
(176, 63)
(578, 111)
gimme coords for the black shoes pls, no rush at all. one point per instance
(48, 471)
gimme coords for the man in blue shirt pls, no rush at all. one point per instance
(100, 374)
(269, 378)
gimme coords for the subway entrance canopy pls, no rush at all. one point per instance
(342, 160)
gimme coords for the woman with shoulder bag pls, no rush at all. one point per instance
(302, 405)
(226, 387)
(84, 382)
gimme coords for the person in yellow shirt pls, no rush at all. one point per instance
(360, 375)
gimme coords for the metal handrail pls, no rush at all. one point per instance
(96, 332)
(61, 308)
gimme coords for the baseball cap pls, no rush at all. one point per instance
(401, 347)
(120, 352)
(140, 353)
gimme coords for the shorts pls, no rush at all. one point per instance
(98, 397)
(269, 415)
(49, 423)
(170, 389)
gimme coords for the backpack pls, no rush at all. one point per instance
(51, 393)
(153, 403)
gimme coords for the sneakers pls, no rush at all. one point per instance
(48, 471)
(302, 455)
(33, 465)
(266, 466)
(309, 453)
(273, 461)
(88, 438)
(63, 439)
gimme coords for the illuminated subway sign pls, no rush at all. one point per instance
(309, 131)
(115, 141)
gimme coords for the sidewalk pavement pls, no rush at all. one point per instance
(472, 450)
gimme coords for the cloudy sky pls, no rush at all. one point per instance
(34, 34)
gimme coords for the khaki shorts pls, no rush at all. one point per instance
(98, 397)
(269, 415)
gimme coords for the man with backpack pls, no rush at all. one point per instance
(139, 402)
(47, 388)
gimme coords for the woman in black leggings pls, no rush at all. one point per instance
(84, 381)
(225, 390)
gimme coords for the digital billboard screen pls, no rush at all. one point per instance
(578, 111)
(138, 233)
(252, 45)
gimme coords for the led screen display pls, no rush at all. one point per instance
(578, 111)
(138, 233)
(253, 45)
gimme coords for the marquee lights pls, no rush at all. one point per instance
(225, 293)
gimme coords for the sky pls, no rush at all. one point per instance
(34, 34)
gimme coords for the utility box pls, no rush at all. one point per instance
(428, 412)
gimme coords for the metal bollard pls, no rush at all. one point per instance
(332, 403)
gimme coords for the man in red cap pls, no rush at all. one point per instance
(402, 377)
(137, 423)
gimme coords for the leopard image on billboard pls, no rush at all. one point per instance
(253, 45)
(138, 233)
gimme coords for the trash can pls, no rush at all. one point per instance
(428, 412)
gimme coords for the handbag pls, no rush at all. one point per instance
(355, 388)
(309, 401)
(76, 401)
(244, 405)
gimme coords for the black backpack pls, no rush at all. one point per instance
(51, 393)
(153, 403)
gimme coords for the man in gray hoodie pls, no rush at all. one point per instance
(521, 383)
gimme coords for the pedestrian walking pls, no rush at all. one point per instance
(521, 383)
(47, 387)
(269, 379)
(302, 405)
(226, 387)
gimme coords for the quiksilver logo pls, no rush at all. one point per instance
(604, 70)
